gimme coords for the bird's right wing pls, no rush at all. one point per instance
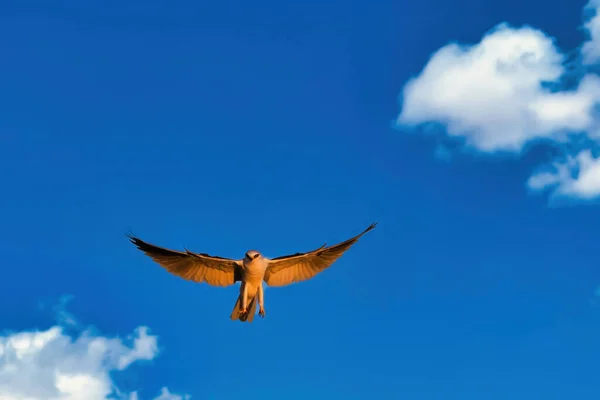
(215, 271)
(299, 267)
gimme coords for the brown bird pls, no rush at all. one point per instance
(251, 270)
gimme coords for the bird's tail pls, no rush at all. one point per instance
(251, 310)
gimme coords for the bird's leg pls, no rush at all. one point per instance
(261, 301)
(244, 305)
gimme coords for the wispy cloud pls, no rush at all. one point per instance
(164, 395)
(54, 365)
(508, 91)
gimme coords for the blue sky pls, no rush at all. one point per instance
(183, 122)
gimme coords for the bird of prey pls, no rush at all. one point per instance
(251, 270)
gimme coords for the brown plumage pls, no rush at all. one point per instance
(251, 271)
(299, 267)
(197, 267)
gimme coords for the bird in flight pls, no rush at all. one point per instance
(251, 270)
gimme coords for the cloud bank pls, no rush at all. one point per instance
(508, 91)
(54, 365)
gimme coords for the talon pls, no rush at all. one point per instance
(243, 312)
(262, 313)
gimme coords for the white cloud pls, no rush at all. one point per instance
(495, 95)
(492, 93)
(585, 185)
(591, 48)
(164, 395)
(53, 365)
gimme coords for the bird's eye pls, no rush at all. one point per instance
(256, 256)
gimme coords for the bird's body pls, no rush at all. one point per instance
(254, 266)
(251, 271)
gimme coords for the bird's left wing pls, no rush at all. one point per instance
(197, 267)
(299, 267)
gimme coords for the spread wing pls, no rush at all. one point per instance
(197, 267)
(302, 266)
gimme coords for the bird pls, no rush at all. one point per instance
(251, 271)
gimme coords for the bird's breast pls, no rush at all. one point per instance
(255, 270)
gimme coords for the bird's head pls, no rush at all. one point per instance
(252, 254)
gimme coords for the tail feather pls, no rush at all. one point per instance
(251, 311)
(236, 309)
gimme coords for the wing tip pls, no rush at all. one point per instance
(371, 227)
(136, 241)
(131, 236)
